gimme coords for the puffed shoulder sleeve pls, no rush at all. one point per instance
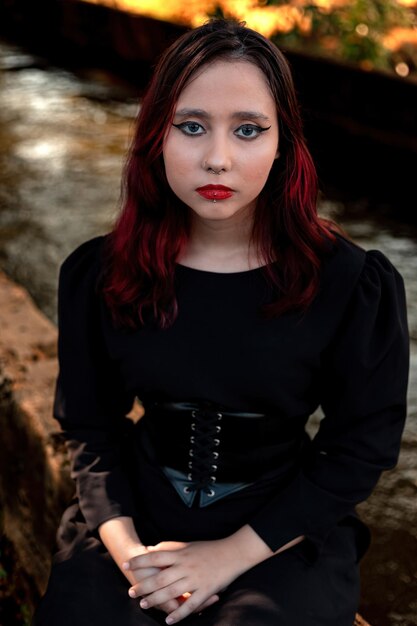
(90, 403)
(363, 381)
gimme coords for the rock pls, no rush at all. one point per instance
(34, 478)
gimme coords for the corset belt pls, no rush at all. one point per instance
(208, 451)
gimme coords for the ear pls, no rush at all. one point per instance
(278, 154)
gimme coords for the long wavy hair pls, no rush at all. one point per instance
(154, 225)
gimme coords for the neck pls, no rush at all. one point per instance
(222, 245)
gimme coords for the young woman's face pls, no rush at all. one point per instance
(220, 149)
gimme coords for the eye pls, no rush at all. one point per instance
(249, 131)
(190, 128)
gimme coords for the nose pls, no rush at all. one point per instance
(217, 156)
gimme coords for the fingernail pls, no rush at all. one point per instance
(169, 620)
(125, 565)
(144, 604)
(132, 593)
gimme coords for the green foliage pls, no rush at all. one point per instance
(25, 615)
(217, 12)
(353, 32)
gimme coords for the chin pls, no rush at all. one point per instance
(219, 211)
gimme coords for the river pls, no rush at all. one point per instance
(62, 142)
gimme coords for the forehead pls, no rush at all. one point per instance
(227, 83)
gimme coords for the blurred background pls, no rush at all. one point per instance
(72, 73)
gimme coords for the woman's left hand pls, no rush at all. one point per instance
(199, 570)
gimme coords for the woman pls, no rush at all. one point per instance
(232, 311)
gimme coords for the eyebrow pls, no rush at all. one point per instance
(241, 115)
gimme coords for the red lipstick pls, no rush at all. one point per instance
(215, 192)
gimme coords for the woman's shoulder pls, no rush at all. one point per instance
(87, 253)
(348, 263)
(344, 257)
(81, 270)
(352, 274)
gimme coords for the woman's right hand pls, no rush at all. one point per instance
(135, 576)
(139, 575)
(121, 540)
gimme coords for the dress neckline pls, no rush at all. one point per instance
(187, 268)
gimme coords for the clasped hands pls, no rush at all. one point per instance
(183, 578)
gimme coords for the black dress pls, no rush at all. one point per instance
(263, 378)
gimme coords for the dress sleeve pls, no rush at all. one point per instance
(90, 404)
(364, 374)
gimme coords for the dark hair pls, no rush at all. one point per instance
(153, 226)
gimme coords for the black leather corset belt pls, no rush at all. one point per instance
(210, 451)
